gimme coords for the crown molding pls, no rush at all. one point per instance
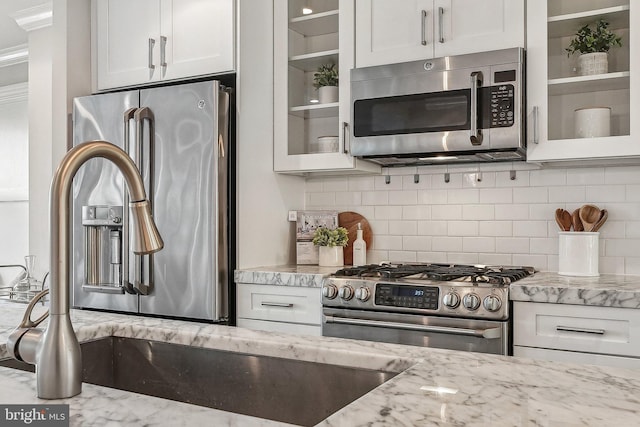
(14, 55)
(34, 18)
(14, 93)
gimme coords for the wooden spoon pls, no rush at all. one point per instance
(575, 220)
(603, 218)
(589, 215)
(563, 219)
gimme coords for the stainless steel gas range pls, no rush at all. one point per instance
(458, 307)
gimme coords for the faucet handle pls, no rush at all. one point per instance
(26, 319)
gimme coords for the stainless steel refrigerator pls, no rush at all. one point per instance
(178, 137)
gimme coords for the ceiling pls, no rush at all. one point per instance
(11, 36)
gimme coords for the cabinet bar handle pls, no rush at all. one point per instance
(475, 134)
(440, 24)
(276, 304)
(424, 27)
(163, 47)
(345, 136)
(580, 330)
(152, 43)
(536, 137)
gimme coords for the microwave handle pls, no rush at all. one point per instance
(475, 134)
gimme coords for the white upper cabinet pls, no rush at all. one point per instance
(390, 31)
(146, 41)
(556, 91)
(303, 41)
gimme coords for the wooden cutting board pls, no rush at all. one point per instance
(350, 220)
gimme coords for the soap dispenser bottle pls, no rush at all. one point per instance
(359, 248)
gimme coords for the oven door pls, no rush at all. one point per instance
(483, 336)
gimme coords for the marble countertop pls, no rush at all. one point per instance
(434, 387)
(606, 290)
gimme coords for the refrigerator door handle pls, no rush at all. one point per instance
(126, 283)
(143, 264)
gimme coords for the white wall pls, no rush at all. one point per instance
(264, 197)
(492, 221)
(14, 176)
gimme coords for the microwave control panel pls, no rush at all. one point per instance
(502, 106)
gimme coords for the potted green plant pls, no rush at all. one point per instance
(325, 79)
(593, 45)
(331, 243)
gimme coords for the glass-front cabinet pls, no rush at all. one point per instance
(582, 106)
(311, 125)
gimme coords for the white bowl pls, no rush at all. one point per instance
(324, 144)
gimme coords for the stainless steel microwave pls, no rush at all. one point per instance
(466, 108)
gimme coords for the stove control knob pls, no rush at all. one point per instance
(329, 291)
(362, 294)
(346, 292)
(451, 300)
(492, 303)
(471, 302)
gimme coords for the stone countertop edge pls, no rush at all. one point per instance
(606, 290)
(310, 276)
(433, 387)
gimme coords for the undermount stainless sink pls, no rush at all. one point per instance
(287, 390)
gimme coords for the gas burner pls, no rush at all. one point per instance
(474, 274)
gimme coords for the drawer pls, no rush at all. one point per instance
(602, 330)
(577, 357)
(288, 328)
(279, 303)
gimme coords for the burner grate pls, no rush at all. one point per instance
(497, 275)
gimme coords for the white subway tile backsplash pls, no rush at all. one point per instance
(496, 228)
(606, 193)
(375, 198)
(416, 243)
(446, 212)
(405, 197)
(585, 176)
(530, 229)
(494, 220)
(478, 212)
(432, 197)
(446, 244)
(418, 212)
(462, 228)
(471, 195)
(479, 244)
(433, 228)
(496, 195)
(403, 228)
(388, 212)
(566, 194)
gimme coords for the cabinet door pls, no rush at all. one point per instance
(556, 91)
(389, 31)
(467, 26)
(199, 37)
(124, 53)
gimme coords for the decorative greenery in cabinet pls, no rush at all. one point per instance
(558, 94)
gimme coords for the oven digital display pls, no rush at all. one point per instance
(393, 295)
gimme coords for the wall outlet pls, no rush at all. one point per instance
(293, 216)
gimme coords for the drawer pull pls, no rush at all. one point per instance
(580, 330)
(276, 304)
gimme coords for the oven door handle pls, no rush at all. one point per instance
(489, 333)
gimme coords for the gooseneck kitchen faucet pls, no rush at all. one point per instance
(56, 351)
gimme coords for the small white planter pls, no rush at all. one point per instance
(327, 94)
(331, 256)
(592, 122)
(593, 63)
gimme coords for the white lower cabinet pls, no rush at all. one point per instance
(576, 333)
(275, 308)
